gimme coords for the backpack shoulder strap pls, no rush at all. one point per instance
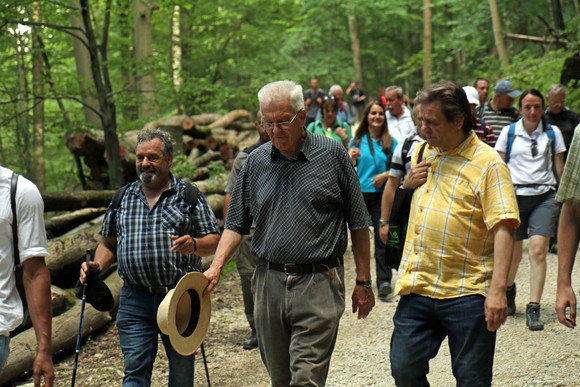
(13, 188)
(405, 151)
(552, 135)
(421, 151)
(191, 194)
(510, 141)
(116, 202)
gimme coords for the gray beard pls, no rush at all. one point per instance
(147, 178)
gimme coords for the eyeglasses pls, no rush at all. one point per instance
(534, 148)
(282, 125)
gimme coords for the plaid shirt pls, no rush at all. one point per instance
(450, 243)
(144, 235)
(569, 190)
(300, 205)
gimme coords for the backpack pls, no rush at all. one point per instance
(18, 271)
(512, 137)
(399, 220)
(191, 194)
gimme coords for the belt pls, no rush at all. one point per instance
(305, 268)
(150, 289)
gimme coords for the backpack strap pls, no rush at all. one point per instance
(510, 141)
(13, 188)
(552, 135)
(116, 202)
(421, 151)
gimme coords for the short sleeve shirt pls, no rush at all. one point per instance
(449, 247)
(569, 189)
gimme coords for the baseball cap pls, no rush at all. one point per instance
(506, 87)
(472, 95)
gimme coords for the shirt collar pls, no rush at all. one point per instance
(465, 149)
(304, 150)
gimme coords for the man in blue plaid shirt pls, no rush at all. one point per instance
(157, 237)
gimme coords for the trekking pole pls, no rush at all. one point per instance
(205, 364)
(88, 259)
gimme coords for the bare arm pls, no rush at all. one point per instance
(496, 302)
(568, 238)
(387, 204)
(227, 199)
(227, 247)
(36, 280)
(502, 155)
(559, 161)
(363, 298)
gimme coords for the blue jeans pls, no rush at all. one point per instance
(421, 324)
(4, 351)
(138, 330)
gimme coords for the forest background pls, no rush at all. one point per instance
(113, 65)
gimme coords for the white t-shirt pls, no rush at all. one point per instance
(526, 169)
(400, 129)
(31, 242)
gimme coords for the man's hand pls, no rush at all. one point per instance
(363, 300)
(384, 233)
(566, 299)
(417, 176)
(43, 367)
(183, 244)
(495, 309)
(213, 275)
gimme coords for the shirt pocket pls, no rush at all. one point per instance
(175, 222)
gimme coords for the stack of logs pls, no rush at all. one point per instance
(204, 138)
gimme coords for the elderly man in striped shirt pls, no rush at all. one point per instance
(452, 277)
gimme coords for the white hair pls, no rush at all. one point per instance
(279, 91)
(334, 88)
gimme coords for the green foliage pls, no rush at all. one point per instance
(229, 267)
(181, 168)
(216, 168)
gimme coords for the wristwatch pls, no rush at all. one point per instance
(367, 283)
(383, 222)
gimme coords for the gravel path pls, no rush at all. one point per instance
(361, 358)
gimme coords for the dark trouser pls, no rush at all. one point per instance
(246, 263)
(384, 272)
(421, 324)
(297, 320)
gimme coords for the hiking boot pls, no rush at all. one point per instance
(511, 299)
(385, 291)
(251, 342)
(533, 321)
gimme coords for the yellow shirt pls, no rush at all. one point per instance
(449, 247)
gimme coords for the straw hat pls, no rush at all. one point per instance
(184, 313)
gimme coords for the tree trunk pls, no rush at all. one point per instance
(143, 46)
(83, 62)
(230, 117)
(38, 110)
(58, 225)
(175, 55)
(427, 34)
(497, 34)
(107, 113)
(355, 46)
(22, 133)
(76, 200)
(129, 107)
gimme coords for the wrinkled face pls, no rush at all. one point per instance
(532, 109)
(151, 164)
(502, 101)
(418, 119)
(338, 94)
(376, 116)
(556, 102)
(394, 104)
(482, 89)
(437, 130)
(289, 140)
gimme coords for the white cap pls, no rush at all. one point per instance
(472, 95)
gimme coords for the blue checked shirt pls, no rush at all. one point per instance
(144, 235)
(300, 205)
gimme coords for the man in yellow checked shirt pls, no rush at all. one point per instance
(452, 277)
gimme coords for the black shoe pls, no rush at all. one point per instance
(251, 342)
(385, 291)
(511, 299)
(533, 320)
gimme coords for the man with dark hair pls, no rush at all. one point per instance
(499, 112)
(157, 237)
(312, 101)
(482, 87)
(452, 277)
(358, 100)
(301, 190)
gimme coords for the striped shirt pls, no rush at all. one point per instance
(300, 205)
(498, 121)
(569, 190)
(400, 168)
(144, 235)
(450, 243)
